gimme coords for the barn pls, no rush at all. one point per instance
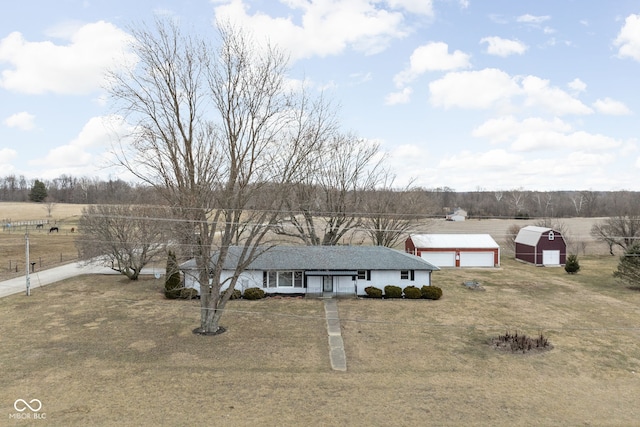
(455, 250)
(541, 246)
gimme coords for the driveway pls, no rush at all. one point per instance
(52, 275)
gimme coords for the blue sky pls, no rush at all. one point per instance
(468, 94)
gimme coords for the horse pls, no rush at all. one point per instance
(39, 226)
(52, 229)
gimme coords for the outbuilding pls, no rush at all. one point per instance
(541, 246)
(455, 250)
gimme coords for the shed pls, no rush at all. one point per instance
(457, 214)
(455, 250)
(541, 246)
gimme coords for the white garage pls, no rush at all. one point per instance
(455, 250)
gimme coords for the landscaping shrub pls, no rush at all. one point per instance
(572, 266)
(391, 291)
(373, 292)
(172, 285)
(411, 292)
(253, 293)
(237, 293)
(431, 292)
(188, 293)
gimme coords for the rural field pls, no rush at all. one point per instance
(99, 350)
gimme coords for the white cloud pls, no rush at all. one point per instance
(75, 68)
(611, 107)
(327, 27)
(628, 40)
(552, 99)
(22, 120)
(532, 19)
(433, 56)
(473, 89)
(468, 160)
(6, 156)
(420, 7)
(92, 143)
(536, 134)
(577, 85)
(503, 47)
(402, 97)
(507, 128)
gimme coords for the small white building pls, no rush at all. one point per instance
(323, 270)
(457, 214)
(455, 250)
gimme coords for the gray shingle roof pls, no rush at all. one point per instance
(330, 258)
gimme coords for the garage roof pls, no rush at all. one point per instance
(460, 241)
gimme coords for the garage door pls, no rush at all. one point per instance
(440, 259)
(476, 259)
(551, 257)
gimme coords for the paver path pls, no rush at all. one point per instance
(336, 345)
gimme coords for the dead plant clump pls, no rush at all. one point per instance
(521, 343)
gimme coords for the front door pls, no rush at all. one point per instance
(327, 283)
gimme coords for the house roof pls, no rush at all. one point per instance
(329, 258)
(462, 241)
(530, 235)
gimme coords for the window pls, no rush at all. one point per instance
(407, 275)
(273, 279)
(297, 279)
(282, 279)
(551, 235)
(285, 279)
(364, 274)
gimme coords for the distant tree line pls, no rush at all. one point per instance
(414, 201)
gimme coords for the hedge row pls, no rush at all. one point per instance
(410, 292)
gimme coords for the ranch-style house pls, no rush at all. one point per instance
(322, 270)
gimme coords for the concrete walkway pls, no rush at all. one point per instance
(336, 345)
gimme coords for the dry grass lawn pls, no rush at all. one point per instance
(99, 350)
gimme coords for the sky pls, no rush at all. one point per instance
(467, 94)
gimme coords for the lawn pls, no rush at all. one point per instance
(99, 350)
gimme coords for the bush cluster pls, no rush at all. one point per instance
(391, 291)
(373, 292)
(253, 293)
(236, 294)
(411, 292)
(172, 283)
(431, 292)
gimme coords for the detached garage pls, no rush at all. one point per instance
(455, 250)
(541, 246)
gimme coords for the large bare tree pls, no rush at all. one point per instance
(328, 204)
(621, 231)
(390, 213)
(125, 237)
(214, 126)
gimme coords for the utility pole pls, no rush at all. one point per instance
(26, 237)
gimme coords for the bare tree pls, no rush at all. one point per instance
(390, 213)
(622, 231)
(214, 126)
(125, 237)
(329, 203)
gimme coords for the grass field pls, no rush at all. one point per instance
(99, 350)
(45, 249)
